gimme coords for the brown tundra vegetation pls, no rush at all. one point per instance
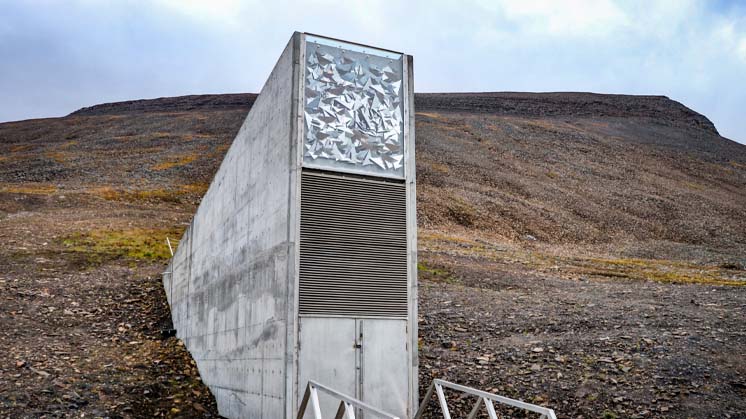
(584, 252)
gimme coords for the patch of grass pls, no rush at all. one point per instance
(429, 115)
(461, 212)
(31, 189)
(434, 274)
(609, 274)
(694, 186)
(219, 151)
(544, 125)
(106, 192)
(143, 195)
(57, 156)
(164, 195)
(136, 243)
(658, 270)
(436, 241)
(438, 236)
(195, 188)
(692, 278)
(441, 168)
(175, 162)
(195, 135)
(18, 148)
(641, 263)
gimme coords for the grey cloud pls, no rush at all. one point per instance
(60, 56)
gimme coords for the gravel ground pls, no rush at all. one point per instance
(583, 252)
(587, 348)
(81, 328)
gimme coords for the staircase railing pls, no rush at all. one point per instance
(347, 404)
(483, 398)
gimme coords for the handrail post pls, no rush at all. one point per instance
(340, 410)
(443, 401)
(304, 402)
(315, 403)
(345, 411)
(482, 397)
(347, 406)
(490, 408)
(475, 409)
(425, 401)
(170, 249)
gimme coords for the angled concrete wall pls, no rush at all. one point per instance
(229, 287)
(262, 315)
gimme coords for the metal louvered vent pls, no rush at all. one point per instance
(353, 247)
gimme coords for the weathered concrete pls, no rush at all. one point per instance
(232, 283)
(229, 288)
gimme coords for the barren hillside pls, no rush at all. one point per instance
(577, 250)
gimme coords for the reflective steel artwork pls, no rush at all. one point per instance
(353, 110)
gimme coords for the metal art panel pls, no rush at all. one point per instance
(385, 365)
(354, 97)
(353, 247)
(328, 355)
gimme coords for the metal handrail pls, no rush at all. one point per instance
(347, 404)
(170, 249)
(483, 398)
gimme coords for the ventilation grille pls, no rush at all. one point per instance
(353, 247)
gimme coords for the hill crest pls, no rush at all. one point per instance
(553, 104)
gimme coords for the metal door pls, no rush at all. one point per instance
(328, 355)
(385, 365)
(364, 358)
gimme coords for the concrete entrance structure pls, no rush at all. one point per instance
(300, 263)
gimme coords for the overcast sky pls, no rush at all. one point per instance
(58, 56)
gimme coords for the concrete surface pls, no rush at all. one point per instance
(229, 288)
(233, 279)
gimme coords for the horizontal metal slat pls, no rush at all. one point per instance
(353, 247)
(316, 239)
(369, 302)
(371, 305)
(352, 285)
(353, 268)
(371, 277)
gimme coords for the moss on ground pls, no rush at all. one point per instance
(660, 271)
(461, 212)
(58, 156)
(30, 189)
(136, 244)
(175, 162)
(149, 195)
(434, 274)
